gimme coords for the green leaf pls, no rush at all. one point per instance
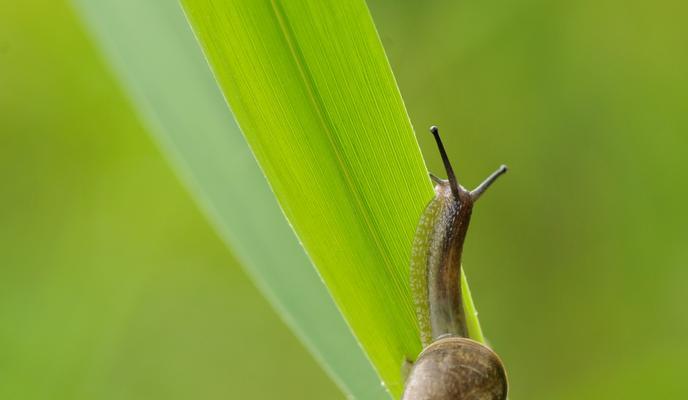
(310, 85)
(154, 54)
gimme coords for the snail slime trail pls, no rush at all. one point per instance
(451, 366)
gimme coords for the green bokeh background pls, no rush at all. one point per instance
(577, 257)
(113, 286)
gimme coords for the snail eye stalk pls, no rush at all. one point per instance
(477, 192)
(453, 183)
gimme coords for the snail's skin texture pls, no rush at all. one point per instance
(455, 368)
(436, 264)
(435, 274)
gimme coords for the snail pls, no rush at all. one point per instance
(451, 366)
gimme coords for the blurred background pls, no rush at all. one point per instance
(112, 283)
(114, 286)
(577, 257)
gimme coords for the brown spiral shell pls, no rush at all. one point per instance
(455, 368)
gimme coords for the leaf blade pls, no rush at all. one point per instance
(174, 91)
(365, 190)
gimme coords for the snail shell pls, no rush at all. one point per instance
(457, 368)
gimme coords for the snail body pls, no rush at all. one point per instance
(451, 366)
